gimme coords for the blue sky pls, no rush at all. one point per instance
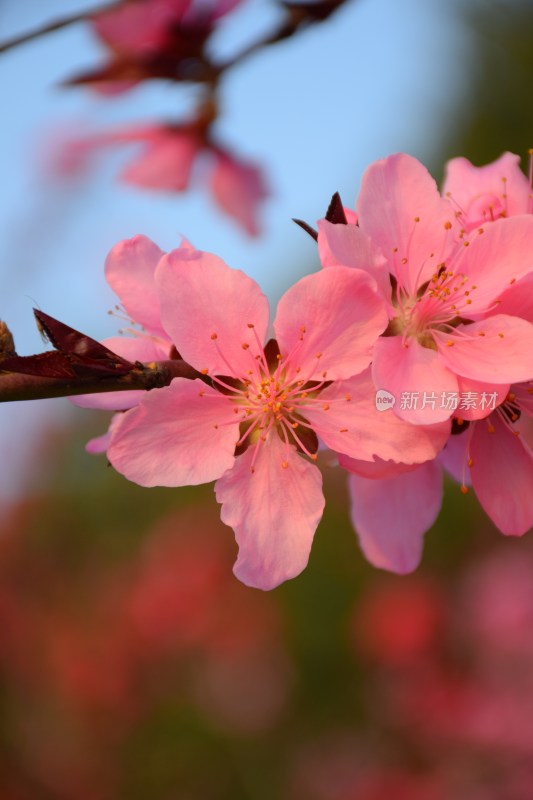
(379, 77)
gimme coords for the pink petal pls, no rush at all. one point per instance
(502, 476)
(414, 374)
(374, 469)
(100, 444)
(454, 457)
(139, 28)
(335, 313)
(395, 192)
(129, 269)
(498, 349)
(517, 300)
(165, 163)
(494, 260)
(478, 399)
(348, 246)
(139, 348)
(485, 193)
(391, 515)
(239, 189)
(183, 434)
(274, 512)
(216, 316)
(524, 396)
(356, 428)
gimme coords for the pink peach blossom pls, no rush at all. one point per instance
(441, 286)
(259, 410)
(483, 194)
(494, 455)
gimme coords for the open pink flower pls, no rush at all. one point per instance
(166, 160)
(481, 195)
(442, 282)
(260, 409)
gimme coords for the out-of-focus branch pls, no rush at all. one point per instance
(299, 16)
(18, 386)
(55, 25)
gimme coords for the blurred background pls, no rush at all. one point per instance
(132, 663)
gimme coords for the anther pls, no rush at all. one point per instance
(447, 225)
(250, 325)
(285, 464)
(245, 345)
(464, 489)
(214, 336)
(204, 371)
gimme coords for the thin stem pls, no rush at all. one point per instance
(56, 25)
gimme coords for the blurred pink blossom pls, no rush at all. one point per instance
(165, 163)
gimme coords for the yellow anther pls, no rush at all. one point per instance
(284, 464)
(204, 371)
(447, 225)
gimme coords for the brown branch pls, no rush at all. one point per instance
(18, 386)
(56, 25)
